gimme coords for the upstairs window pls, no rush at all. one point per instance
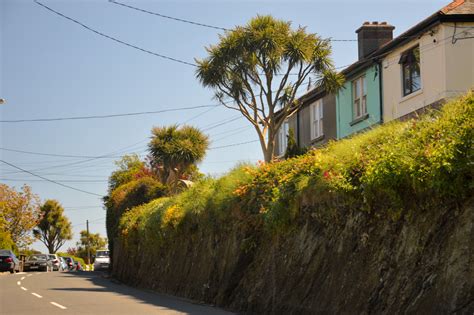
(359, 91)
(283, 138)
(316, 119)
(410, 63)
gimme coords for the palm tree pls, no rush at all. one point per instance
(174, 150)
(261, 67)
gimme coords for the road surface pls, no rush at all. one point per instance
(85, 293)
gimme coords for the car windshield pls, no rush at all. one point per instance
(102, 253)
(37, 257)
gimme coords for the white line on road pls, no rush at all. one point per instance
(37, 295)
(18, 282)
(22, 278)
(29, 275)
(24, 289)
(58, 305)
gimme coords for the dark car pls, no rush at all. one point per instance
(78, 265)
(8, 261)
(70, 263)
(38, 262)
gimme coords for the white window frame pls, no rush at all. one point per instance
(359, 97)
(316, 116)
(283, 138)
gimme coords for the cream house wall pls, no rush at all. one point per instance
(459, 58)
(446, 70)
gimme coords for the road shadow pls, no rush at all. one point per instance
(103, 283)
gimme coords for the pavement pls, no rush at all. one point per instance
(86, 293)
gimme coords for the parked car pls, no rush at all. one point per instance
(8, 261)
(38, 262)
(63, 264)
(78, 265)
(102, 260)
(55, 261)
(70, 263)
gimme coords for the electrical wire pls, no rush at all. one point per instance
(58, 155)
(168, 17)
(113, 38)
(223, 123)
(50, 180)
(109, 115)
(56, 180)
(233, 145)
(197, 23)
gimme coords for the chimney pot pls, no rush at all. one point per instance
(371, 36)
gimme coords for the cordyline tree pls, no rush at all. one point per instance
(19, 213)
(261, 67)
(174, 151)
(54, 228)
(94, 241)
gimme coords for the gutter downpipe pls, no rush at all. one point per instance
(298, 128)
(379, 64)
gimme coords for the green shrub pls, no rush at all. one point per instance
(393, 170)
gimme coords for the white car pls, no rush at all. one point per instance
(56, 262)
(102, 260)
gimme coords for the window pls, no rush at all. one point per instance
(283, 138)
(410, 62)
(359, 90)
(316, 119)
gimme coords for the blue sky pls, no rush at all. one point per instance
(51, 67)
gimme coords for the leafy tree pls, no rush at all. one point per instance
(174, 151)
(261, 67)
(19, 213)
(54, 229)
(128, 168)
(94, 241)
(292, 148)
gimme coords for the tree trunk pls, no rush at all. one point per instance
(268, 153)
(51, 248)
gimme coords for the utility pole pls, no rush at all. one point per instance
(88, 244)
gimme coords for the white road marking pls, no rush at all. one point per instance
(23, 278)
(58, 305)
(21, 273)
(29, 275)
(18, 282)
(37, 295)
(24, 289)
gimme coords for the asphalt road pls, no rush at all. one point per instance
(50, 293)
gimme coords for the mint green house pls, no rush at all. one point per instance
(358, 103)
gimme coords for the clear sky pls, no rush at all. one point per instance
(51, 67)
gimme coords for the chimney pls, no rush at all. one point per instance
(372, 36)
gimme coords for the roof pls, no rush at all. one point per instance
(459, 7)
(456, 11)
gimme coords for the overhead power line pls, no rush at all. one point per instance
(57, 180)
(59, 155)
(107, 116)
(233, 144)
(113, 38)
(50, 180)
(168, 17)
(197, 23)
